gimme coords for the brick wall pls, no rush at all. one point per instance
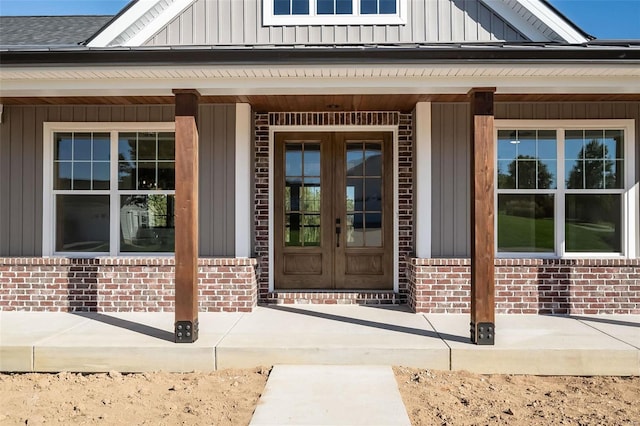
(405, 200)
(122, 284)
(530, 286)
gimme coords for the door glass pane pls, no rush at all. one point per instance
(293, 159)
(355, 187)
(311, 229)
(302, 194)
(147, 223)
(525, 223)
(355, 159)
(82, 223)
(355, 230)
(373, 194)
(373, 159)
(593, 223)
(373, 229)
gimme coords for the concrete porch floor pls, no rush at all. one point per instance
(319, 334)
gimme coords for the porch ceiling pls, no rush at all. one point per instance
(311, 103)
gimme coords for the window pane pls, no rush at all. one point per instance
(166, 176)
(547, 145)
(81, 175)
(592, 223)
(325, 7)
(62, 175)
(614, 171)
(147, 175)
(127, 146)
(573, 144)
(547, 172)
(526, 144)
(293, 187)
(506, 174)
(300, 7)
(311, 196)
(344, 7)
(594, 144)
(574, 174)
(613, 142)
(146, 146)
(126, 175)
(166, 146)
(82, 223)
(525, 223)
(63, 146)
(368, 7)
(101, 173)
(81, 146)
(594, 174)
(387, 6)
(527, 177)
(147, 223)
(281, 7)
(101, 147)
(507, 142)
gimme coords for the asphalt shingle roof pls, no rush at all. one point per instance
(48, 30)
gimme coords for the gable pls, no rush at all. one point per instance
(240, 22)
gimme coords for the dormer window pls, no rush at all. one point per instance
(334, 12)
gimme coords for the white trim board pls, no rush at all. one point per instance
(396, 230)
(244, 178)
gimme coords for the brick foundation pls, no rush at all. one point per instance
(530, 286)
(121, 284)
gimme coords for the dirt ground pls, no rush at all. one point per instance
(229, 397)
(462, 398)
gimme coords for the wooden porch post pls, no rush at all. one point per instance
(186, 216)
(482, 216)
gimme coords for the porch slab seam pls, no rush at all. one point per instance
(607, 334)
(441, 338)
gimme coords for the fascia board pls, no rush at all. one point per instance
(553, 21)
(540, 10)
(158, 23)
(121, 24)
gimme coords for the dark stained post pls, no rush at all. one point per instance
(482, 216)
(186, 216)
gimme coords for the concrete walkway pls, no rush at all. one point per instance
(319, 335)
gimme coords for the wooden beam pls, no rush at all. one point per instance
(186, 216)
(482, 216)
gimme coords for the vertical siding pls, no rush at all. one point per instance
(450, 159)
(450, 177)
(239, 22)
(217, 180)
(21, 146)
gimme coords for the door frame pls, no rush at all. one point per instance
(393, 129)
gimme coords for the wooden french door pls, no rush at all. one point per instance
(333, 211)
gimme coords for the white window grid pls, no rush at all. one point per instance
(629, 191)
(49, 194)
(313, 18)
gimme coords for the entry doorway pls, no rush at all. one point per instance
(333, 211)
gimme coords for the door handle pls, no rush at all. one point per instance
(338, 230)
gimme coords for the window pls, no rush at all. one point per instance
(108, 192)
(333, 12)
(565, 189)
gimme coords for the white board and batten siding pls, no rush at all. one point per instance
(239, 22)
(21, 151)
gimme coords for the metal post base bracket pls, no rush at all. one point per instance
(186, 331)
(483, 333)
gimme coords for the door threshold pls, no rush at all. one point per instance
(334, 297)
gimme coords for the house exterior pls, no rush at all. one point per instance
(452, 155)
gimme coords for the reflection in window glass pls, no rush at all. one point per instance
(592, 223)
(82, 223)
(594, 159)
(147, 223)
(525, 223)
(527, 159)
(81, 161)
(146, 161)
